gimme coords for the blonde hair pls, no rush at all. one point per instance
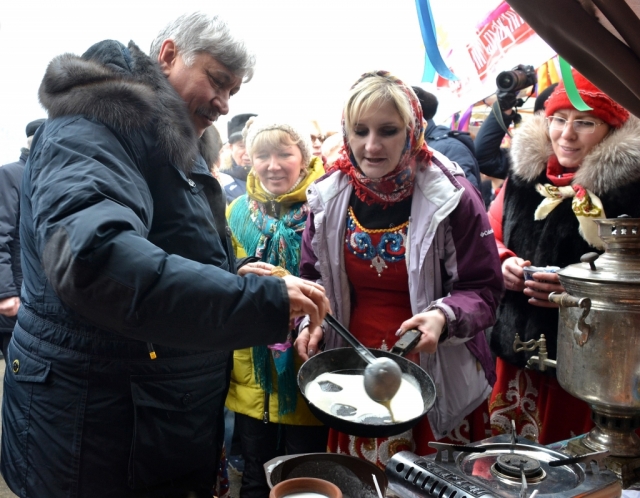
(269, 140)
(375, 90)
(264, 133)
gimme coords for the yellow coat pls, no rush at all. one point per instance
(246, 397)
(245, 394)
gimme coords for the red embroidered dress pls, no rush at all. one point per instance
(376, 268)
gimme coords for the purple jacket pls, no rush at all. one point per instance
(453, 265)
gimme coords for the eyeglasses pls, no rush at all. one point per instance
(322, 138)
(579, 125)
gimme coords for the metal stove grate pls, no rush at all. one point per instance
(422, 478)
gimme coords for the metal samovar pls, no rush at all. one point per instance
(598, 357)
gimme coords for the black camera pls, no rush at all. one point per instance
(509, 83)
(518, 78)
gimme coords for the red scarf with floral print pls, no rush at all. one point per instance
(398, 184)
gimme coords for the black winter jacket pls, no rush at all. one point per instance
(493, 160)
(10, 269)
(453, 149)
(611, 171)
(124, 243)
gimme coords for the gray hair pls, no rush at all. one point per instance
(199, 33)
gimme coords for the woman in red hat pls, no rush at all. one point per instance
(568, 168)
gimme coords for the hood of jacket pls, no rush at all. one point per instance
(433, 128)
(611, 164)
(127, 91)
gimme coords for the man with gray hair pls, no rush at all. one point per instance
(118, 367)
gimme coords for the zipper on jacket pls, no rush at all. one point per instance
(407, 252)
(152, 352)
(265, 415)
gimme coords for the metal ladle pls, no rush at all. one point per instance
(382, 376)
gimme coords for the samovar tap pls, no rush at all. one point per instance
(540, 362)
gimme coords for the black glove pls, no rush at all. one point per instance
(507, 100)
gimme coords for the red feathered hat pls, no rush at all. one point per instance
(603, 106)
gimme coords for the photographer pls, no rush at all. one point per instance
(493, 159)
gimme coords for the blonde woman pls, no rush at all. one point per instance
(400, 240)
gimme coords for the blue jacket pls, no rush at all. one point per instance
(453, 149)
(238, 186)
(124, 243)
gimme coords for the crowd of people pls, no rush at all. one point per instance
(160, 289)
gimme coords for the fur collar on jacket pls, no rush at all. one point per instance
(127, 91)
(612, 163)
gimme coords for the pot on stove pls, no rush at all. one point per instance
(598, 357)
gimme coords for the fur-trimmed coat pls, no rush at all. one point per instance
(611, 171)
(125, 247)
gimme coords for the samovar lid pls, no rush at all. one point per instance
(620, 262)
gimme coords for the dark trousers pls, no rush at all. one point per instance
(261, 442)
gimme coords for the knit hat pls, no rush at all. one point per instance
(299, 134)
(236, 125)
(33, 127)
(603, 106)
(428, 102)
(542, 97)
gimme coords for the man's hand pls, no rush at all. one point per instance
(431, 324)
(257, 268)
(9, 306)
(306, 298)
(507, 100)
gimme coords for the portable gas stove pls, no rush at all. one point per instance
(500, 466)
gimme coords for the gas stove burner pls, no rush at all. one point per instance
(511, 466)
(497, 467)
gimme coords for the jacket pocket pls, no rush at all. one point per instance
(176, 424)
(25, 374)
(27, 367)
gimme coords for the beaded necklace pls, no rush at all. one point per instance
(390, 248)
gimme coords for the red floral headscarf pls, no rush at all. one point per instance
(398, 184)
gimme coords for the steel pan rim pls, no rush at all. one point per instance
(359, 467)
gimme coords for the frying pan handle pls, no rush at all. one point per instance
(407, 342)
(350, 338)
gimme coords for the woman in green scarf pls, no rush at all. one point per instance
(267, 223)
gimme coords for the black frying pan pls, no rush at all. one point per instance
(347, 361)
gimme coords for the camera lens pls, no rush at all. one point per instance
(506, 81)
(517, 79)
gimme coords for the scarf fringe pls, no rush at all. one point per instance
(287, 383)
